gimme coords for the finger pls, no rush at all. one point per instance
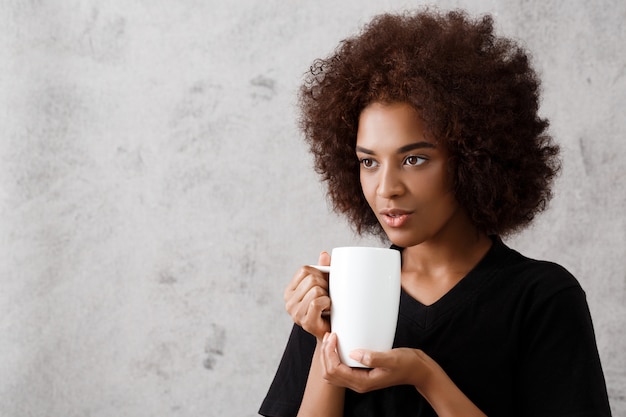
(330, 354)
(312, 305)
(357, 379)
(295, 280)
(372, 359)
(319, 305)
(363, 357)
(310, 287)
(324, 259)
(305, 279)
(304, 273)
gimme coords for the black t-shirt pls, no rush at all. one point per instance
(515, 335)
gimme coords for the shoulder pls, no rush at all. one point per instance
(538, 279)
(287, 388)
(541, 298)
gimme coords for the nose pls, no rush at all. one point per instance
(390, 183)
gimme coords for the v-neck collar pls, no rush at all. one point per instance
(466, 289)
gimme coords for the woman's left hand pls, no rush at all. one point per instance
(400, 366)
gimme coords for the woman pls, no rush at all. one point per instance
(425, 129)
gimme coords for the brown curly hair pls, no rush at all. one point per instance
(476, 92)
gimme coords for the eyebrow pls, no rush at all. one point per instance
(403, 149)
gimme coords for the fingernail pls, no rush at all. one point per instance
(357, 355)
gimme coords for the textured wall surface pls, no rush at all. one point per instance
(156, 196)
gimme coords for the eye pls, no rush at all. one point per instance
(414, 160)
(368, 163)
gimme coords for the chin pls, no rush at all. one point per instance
(404, 240)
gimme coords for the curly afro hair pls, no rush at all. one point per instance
(476, 92)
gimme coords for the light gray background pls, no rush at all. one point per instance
(156, 196)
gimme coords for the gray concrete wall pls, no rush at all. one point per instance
(155, 194)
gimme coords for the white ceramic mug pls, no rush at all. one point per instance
(364, 288)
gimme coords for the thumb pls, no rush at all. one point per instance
(324, 259)
(369, 358)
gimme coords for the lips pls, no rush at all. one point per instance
(395, 217)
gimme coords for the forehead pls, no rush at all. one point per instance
(382, 124)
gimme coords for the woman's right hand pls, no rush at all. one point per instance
(307, 300)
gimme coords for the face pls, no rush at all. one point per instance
(404, 175)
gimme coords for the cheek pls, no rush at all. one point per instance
(369, 189)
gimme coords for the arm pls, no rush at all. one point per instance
(561, 366)
(320, 397)
(306, 299)
(442, 393)
(401, 366)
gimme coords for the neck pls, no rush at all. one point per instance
(430, 269)
(461, 254)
